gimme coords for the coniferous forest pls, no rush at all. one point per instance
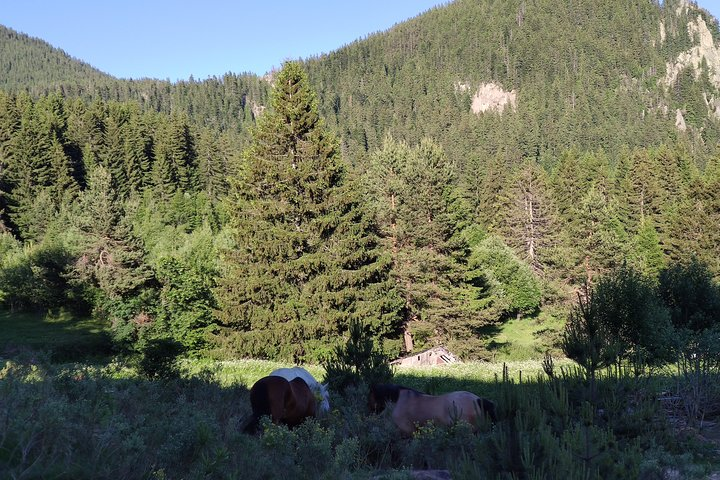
(259, 216)
(513, 180)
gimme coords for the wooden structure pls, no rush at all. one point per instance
(433, 356)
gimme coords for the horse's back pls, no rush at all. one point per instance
(471, 407)
(317, 387)
(413, 408)
(305, 404)
(295, 372)
(289, 402)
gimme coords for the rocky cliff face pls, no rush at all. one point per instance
(705, 49)
(489, 97)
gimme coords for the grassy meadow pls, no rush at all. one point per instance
(101, 418)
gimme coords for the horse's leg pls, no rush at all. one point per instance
(404, 424)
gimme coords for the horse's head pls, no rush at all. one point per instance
(381, 394)
(373, 401)
(488, 407)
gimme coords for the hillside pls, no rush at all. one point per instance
(27, 61)
(227, 102)
(491, 158)
(585, 75)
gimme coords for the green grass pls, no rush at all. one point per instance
(525, 338)
(58, 333)
(190, 427)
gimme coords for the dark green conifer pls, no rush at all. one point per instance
(307, 259)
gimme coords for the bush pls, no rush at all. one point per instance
(628, 306)
(587, 339)
(357, 361)
(158, 358)
(691, 296)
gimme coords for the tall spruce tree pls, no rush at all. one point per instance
(307, 259)
(422, 215)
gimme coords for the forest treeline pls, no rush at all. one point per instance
(162, 226)
(246, 220)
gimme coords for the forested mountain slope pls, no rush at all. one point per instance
(226, 102)
(477, 163)
(28, 61)
(586, 75)
(583, 75)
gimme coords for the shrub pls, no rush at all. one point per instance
(587, 338)
(691, 296)
(625, 304)
(158, 357)
(356, 361)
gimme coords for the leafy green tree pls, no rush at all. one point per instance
(175, 152)
(138, 148)
(600, 238)
(306, 259)
(9, 124)
(187, 303)
(647, 255)
(691, 295)
(512, 288)
(693, 231)
(588, 339)
(213, 164)
(629, 307)
(422, 215)
(29, 171)
(112, 155)
(356, 361)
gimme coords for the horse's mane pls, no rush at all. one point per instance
(389, 392)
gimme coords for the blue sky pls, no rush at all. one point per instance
(176, 38)
(173, 39)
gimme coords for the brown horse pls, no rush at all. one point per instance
(413, 408)
(285, 402)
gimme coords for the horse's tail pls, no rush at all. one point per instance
(260, 398)
(488, 407)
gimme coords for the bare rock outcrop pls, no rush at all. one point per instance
(489, 97)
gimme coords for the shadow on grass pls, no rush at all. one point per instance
(90, 421)
(62, 335)
(80, 421)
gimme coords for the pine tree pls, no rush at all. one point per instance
(29, 171)
(422, 215)
(693, 230)
(527, 217)
(647, 255)
(112, 155)
(600, 238)
(307, 259)
(138, 153)
(112, 260)
(9, 124)
(212, 165)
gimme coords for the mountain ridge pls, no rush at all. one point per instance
(55, 64)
